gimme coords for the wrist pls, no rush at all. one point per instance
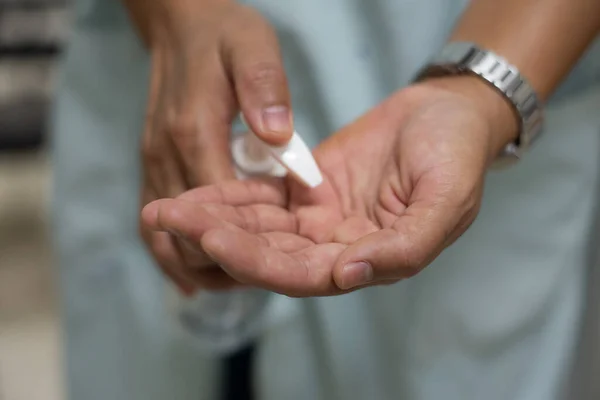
(502, 119)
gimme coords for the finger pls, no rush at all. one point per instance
(187, 280)
(282, 241)
(254, 219)
(412, 242)
(252, 58)
(146, 196)
(190, 221)
(203, 147)
(164, 250)
(164, 174)
(187, 224)
(171, 174)
(352, 229)
(152, 146)
(157, 73)
(168, 259)
(239, 193)
(199, 118)
(214, 279)
(195, 255)
(258, 261)
(285, 242)
(161, 163)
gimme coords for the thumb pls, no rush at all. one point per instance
(415, 239)
(253, 60)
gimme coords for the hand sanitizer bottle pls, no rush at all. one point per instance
(221, 322)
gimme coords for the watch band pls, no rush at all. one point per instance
(467, 58)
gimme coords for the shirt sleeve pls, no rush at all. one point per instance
(220, 322)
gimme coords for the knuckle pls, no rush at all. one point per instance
(411, 263)
(249, 219)
(182, 127)
(412, 267)
(171, 216)
(413, 260)
(467, 204)
(468, 217)
(408, 254)
(466, 198)
(262, 75)
(473, 204)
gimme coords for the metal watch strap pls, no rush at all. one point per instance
(466, 58)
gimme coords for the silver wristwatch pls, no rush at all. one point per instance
(466, 58)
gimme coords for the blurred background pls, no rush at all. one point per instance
(32, 34)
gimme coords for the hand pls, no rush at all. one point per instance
(210, 58)
(402, 183)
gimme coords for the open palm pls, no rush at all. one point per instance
(401, 184)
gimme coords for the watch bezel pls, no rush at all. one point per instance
(463, 58)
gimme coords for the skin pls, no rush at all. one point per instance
(532, 35)
(403, 182)
(211, 59)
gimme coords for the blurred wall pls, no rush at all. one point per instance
(32, 33)
(31, 36)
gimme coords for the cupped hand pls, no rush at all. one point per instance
(210, 59)
(401, 184)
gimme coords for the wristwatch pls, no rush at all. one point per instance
(460, 58)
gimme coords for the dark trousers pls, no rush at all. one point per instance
(238, 374)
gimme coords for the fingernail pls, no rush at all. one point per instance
(356, 274)
(277, 119)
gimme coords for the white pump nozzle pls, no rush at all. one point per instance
(296, 157)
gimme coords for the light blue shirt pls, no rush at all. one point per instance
(497, 316)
